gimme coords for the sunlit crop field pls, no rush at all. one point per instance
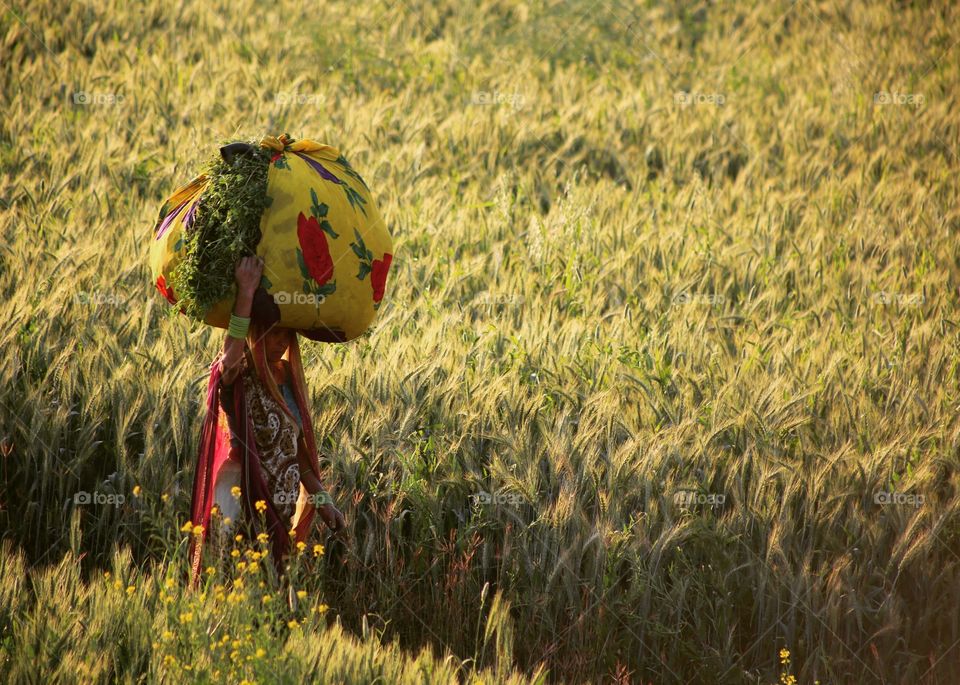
(664, 387)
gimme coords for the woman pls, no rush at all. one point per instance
(258, 434)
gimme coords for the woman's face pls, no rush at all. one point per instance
(277, 340)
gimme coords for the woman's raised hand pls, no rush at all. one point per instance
(248, 272)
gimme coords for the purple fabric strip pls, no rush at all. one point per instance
(168, 220)
(319, 168)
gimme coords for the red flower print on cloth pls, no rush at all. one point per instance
(316, 252)
(378, 275)
(165, 291)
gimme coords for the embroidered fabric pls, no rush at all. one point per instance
(276, 436)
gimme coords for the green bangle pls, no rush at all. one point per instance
(239, 325)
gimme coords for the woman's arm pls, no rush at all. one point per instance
(247, 274)
(307, 477)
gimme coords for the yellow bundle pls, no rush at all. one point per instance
(325, 247)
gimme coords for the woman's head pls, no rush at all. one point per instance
(276, 341)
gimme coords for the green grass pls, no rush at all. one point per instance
(644, 254)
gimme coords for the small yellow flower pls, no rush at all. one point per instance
(254, 567)
(131, 589)
(106, 574)
(784, 656)
(235, 491)
(266, 598)
(186, 617)
(317, 550)
(211, 570)
(263, 537)
(238, 538)
(301, 594)
(198, 530)
(227, 520)
(301, 546)
(136, 490)
(261, 652)
(241, 565)
(260, 505)
(187, 527)
(169, 583)
(322, 608)
(164, 497)
(293, 624)
(214, 510)
(235, 553)
(167, 636)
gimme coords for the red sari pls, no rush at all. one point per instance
(215, 449)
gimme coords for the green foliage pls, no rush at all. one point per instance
(226, 228)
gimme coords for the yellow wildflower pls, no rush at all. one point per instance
(260, 505)
(136, 490)
(235, 491)
(317, 550)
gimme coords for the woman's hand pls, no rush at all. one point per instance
(332, 517)
(248, 273)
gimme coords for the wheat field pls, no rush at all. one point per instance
(664, 387)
